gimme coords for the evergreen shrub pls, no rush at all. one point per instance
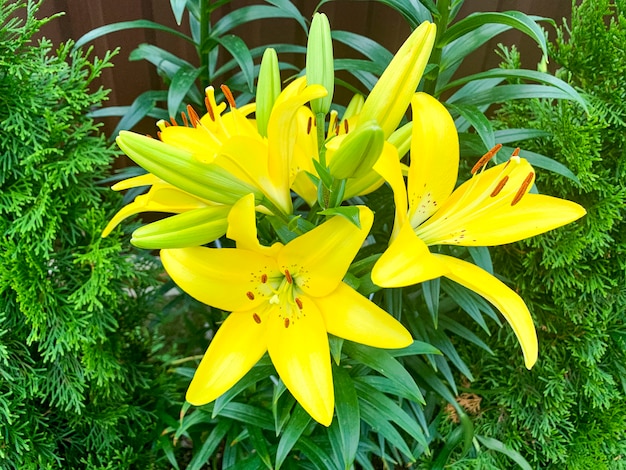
(569, 412)
(78, 386)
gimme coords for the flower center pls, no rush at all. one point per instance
(283, 294)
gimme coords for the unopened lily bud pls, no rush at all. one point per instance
(358, 151)
(391, 96)
(267, 90)
(192, 228)
(179, 168)
(319, 62)
(354, 106)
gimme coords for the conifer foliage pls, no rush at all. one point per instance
(570, 412)
(75, 386)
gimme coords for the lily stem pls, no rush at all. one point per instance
(430, 84)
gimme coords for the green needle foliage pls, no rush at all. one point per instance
(77, 389)
(570, 411)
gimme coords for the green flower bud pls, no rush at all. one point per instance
(354, 106)
(179, 168)
(358, 151)
(319, 62)
(267, 90)
(192, 228)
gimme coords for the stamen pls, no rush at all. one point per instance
(286, 322)
(345, 126)
(298, 303)
(256, 317)
(250, 295)
(485, 158)
(499, 187)
(263, 278)
(173, 121)
(209, 108)
(288, 277)
(515, 152)
(229, 96)
(522, 190)
(193, 116)
(309, 125)
(185, 121)
(158, 135)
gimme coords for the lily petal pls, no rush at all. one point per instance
(301, 356)
(218, 277)
(434, 157)
(503, 298)
(534, 214)
(242, 228)
(349, 315)
(406, 261)
(237, 346)
(326, 252)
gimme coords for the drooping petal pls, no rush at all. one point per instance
(388, 166)
(300, 353)
(237, 346)
(320, 258)
(142, 180)
(534, 214)
(503, 298)
(222, 278)
(406, 261)
(162, 197)
(434, 158)
(349, 315)
(198, 141)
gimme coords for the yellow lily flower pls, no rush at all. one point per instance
(284, 300)
(492, 208)
(385, 106)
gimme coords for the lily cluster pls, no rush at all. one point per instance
(288, 161)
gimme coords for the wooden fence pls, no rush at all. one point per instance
(129, 79)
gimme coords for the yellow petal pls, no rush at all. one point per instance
(434, 158)
(388, 166)
(242, 228)
(198, 141)
(320, 258)
(142, 180)
(237, 346)
(301, 356)
(223, 278)
(534, 214)
(349, 315)
(504, 299)
(407, 261)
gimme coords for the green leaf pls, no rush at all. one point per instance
(418, 347)
(179, 88)
(513, 19)
(351, 213)
(168, 449)
(248, 414)
(523, 74)
(413, 11)
(348, 416)
(470, 302)
(463, 433)
(209, 446)
(364, 45)
(547, 163)
(256, 374)
(143, 105)
(372, 416)
(124, 25)
(390, 410)
(320, 459)
(240, 52)
(291, 10)
(298, 422)
(200, 415)
(382, 362)
(494, 444)
(259, 442)
(477, 119)
(244, 15)
(502, 93)
(430, 291)
(481, 257)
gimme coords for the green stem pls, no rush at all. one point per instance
(430, 84)
(320, 121)
(205, 23)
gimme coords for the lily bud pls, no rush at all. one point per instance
(354, 106)
(192, 228)
(179, 168)
(358, 151)
(267, 90)
(319, 62)
(389, 99)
